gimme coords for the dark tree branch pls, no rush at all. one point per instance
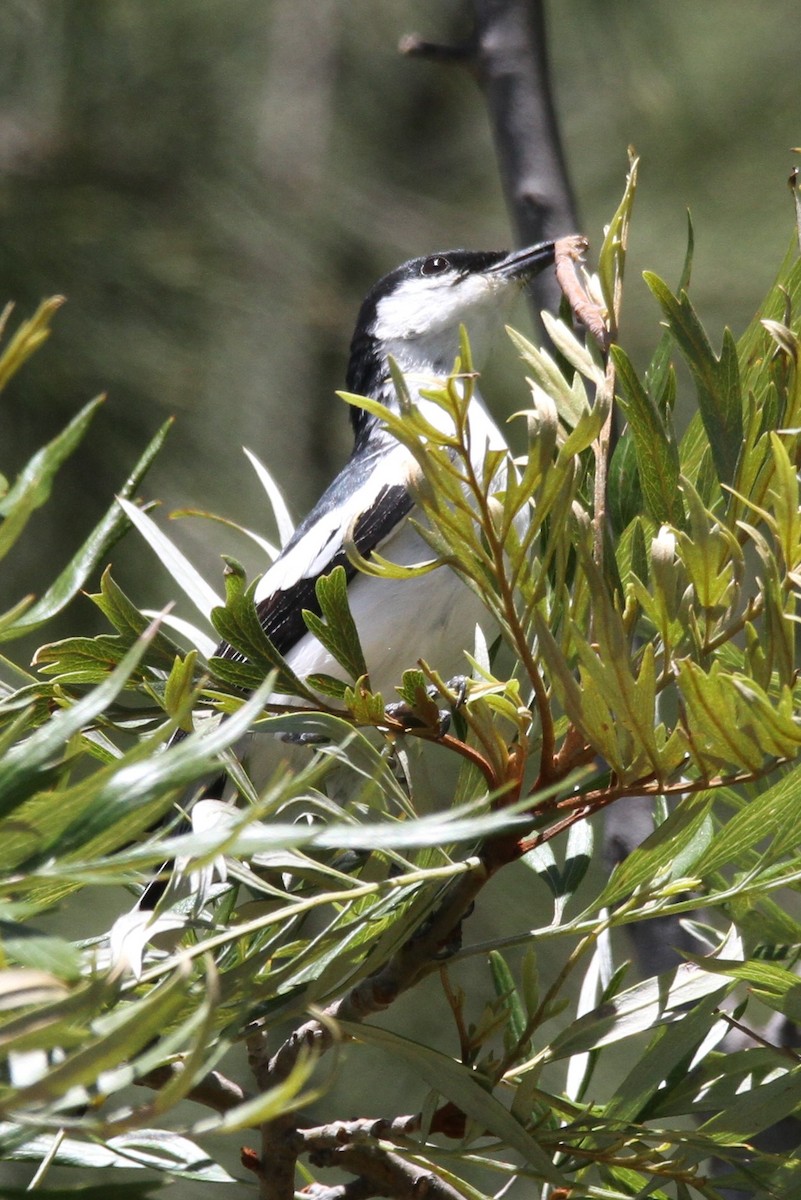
(508, 53)
(385, 1173)
(512, 60)
(338, 1132)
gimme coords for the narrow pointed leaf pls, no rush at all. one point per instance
(91, 553)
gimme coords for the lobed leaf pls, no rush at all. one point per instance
(717, 380)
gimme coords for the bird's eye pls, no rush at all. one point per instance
(434, 265)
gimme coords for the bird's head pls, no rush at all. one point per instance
(414, 313)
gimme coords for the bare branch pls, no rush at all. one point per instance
(214, 1090)
(279, 1157)
(337, 1133)
(386, 1172)
(512, 60)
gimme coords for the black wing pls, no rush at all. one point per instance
(363, 498)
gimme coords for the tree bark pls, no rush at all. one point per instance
(511, 56)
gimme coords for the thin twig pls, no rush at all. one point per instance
(414, 46)
(758, 1039)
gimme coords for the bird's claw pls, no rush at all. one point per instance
(413, 720)
(426, 714)
(458, 684)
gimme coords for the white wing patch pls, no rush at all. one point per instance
(323, 541)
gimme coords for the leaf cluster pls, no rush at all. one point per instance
(647, 646)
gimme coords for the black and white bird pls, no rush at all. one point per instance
(412, 315)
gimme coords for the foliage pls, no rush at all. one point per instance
(657, 662)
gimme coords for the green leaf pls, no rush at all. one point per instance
(89, 660)
(660, 1000)
(143, 777)
(180, 691)
(81, 659)
(506, 992)
(769, 821)
(670, 1045)
(192, 583)
(711, 555)
(122, 1191)
(34, 483)
(335, 629)
(126, 618)
(660, 375)
(656, 449)
(758, 1108)
(30, 948)
(238, 624)
(612, 255)
(673, 851)
(367, 707)
(614, 708)
(717, 380)
(153, 1149)
(283, 519)
(785, 509)
(96, 546)
(327, 685)
(574, 352)
(570, 400)
(413, 682)
(235, 674)
(754, 347)
(27, 339)
(732, 722)
(28, 765)
(625, 489)
(564, 881)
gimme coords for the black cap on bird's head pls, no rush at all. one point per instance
(414, 313)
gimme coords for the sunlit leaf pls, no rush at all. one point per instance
(717, 379)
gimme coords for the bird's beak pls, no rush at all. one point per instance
(524, 264)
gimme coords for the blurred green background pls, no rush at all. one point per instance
(213, 184)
